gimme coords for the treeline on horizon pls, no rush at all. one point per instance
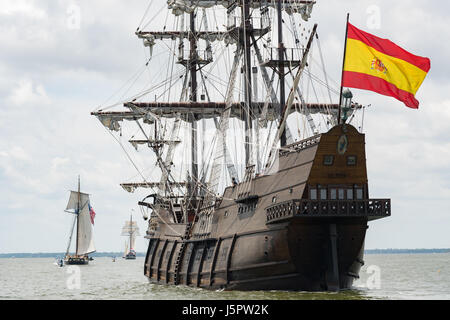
(397, 251)
(142, 254)
(61, 254)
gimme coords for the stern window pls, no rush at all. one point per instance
(328, 160)
(349, 194)
(333, 194)
(359, 193)
(351, 160)
(313, 194)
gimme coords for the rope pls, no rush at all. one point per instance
(145, 14)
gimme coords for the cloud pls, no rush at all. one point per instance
(53, 76)
(59, 162)
(28, 93)
(17, 153)
(22, 8)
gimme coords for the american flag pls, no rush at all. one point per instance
(92, 213)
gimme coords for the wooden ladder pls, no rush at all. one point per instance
(176, 276)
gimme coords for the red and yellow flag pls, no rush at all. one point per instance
(379, 65)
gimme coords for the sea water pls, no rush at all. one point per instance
(384, 276)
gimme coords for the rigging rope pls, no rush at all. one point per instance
(145, 14)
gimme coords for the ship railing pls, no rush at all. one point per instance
(300, 145)
(370, 208)
(290, 54)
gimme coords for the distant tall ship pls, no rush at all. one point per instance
(79, 205)
(131, 230)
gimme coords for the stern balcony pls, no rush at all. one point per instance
(373, 209)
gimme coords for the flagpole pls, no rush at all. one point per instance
(343, 65)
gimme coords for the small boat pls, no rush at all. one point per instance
(79, 206)
(131, 230)
(59, 262)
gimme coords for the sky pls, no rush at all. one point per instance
(60, 60)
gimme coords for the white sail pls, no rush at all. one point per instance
(132, 240)
(85, 234)
(130, 228)
(126, 249)
(73, 200)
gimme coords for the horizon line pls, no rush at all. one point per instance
(103, 252)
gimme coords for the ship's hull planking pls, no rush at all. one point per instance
(301, 228)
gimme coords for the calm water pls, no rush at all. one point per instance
(402, 276)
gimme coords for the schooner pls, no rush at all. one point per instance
(79, 206)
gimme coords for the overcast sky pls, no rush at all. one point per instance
(57, 66)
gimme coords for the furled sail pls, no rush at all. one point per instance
(304, 8)
(112, 120)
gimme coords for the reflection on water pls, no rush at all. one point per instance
(403, 276)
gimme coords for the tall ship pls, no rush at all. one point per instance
(261, 177)
(83, 219)
(130, 230)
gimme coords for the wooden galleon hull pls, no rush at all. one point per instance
(300, 228)
(302, 254)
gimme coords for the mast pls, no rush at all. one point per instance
(285, 113)
(78, 214)
(247, 32)
(193, 57)
(281, 67)
(193, 98)
(343, 65)
(131, 230)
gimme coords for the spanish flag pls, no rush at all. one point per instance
(376, 64)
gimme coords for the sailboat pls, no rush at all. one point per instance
(79, 206)
(259, 189)
(130, 230)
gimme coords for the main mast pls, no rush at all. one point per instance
(247, 33)
(131, 231)
(78, 214)
(193, 98)
(281, 67)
